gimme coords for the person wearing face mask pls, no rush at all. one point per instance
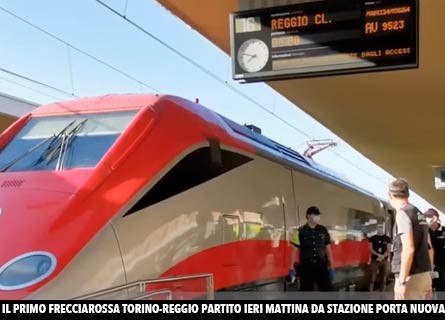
(311, 244)
(380, 247)
(437, 234)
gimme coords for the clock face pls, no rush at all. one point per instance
(253, 55)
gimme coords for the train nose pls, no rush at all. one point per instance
(31, 239)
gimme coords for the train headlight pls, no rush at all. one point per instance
(26, 270)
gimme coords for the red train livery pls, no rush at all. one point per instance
(101, 192)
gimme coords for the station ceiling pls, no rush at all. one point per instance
(6, 121)
(395, 118)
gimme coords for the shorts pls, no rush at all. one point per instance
(417, 286)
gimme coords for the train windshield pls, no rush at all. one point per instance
(64, 142)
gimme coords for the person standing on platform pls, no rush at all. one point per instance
(380, 247)
(437, 234)
(412, 252)
(311, 243)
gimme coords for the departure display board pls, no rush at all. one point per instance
(324, 38)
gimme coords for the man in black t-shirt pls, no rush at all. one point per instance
(380, 247)
(312, 245)
(412, 253)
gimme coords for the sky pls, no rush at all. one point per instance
(83, 49)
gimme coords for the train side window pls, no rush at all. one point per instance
(231, 228)
(364, 223)
(195, 169)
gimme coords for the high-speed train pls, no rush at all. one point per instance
(100, 192)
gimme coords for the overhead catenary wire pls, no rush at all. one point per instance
(123, 16)
(355, 165)
(126, 8)
(79, 50)
(70, 69)
(142, 83)
(222, 81)
(37, 82)
(28, 87)
(200, 67)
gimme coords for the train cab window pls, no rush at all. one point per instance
(194, 169)
(64, 142)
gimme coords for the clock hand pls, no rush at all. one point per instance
(251, 57)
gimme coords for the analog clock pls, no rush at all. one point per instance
(253, 55)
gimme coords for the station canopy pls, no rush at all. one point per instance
(395, 118)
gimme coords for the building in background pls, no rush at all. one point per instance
(11, 108)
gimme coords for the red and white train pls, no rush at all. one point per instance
(101, 192)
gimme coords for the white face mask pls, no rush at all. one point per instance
(429, 220)
(380, 231)
(315, 218)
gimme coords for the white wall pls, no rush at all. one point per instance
(14, 106)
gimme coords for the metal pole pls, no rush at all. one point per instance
(210, 287)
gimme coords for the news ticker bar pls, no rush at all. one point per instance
(215, 307)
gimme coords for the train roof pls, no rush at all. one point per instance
(264, 145)
(291, 156)
(105, 103)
